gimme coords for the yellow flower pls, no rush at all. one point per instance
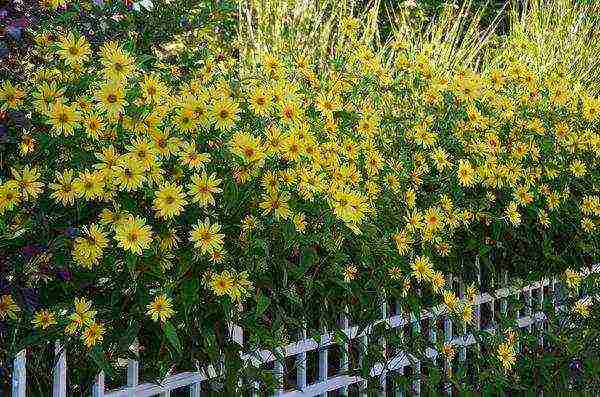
(9, 195)
(93, 334)
(203, 187)
(260, 101)
(206, 236)
(190, 157)
(161, 308)
(8, 307)
(111, 98)
(89, 185)
(507, 355)
(572, 278)
(582, 307)
(222, 283)
(83, 315)
(134, 235)
(403, 242)
(44, 319)
(64, 118)
(129, 173)
(240, 286)
(73, 50)
(224, 113)
(350, 271)
(437, 281)
(299, 223)
(450, 300)
(466, 173)
(422, 268)
(88, 249)
(12, 96)
(118, 65)
(169, 201)
(277, 203)
(27, 179)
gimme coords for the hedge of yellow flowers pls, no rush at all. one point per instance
(142, 203)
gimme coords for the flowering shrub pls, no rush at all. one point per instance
(166, 198)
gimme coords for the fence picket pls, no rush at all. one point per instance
(59, 387)
(195, 389)
(133, 369)
(279, 376)
(301, 366)
(98, 387)
(19, 380)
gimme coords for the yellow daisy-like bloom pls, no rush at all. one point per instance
(437, 281)
(582, 307)
(240, 287)
(74, 50)
(466, 173)
(221, 284)
(133, 235)
(44, 319)
(260, 101)
(118, 65)
(299, 223)
(93, 334)
(450, 300)
(572, 278)
(247, 147)
(111, 98)
(27, 179)
(169, 201)
(47, 95)
(83, 315)
(190, 157)
(11, 95)
(206, 237)
(9, 196)
(89, 185)
(422, 268)
(350, 272)
(161, 308)
(224, 113)
(88, 249)
(129, 173)
(276, 203)
(507, 355)
(64, 118)
(8, 307)
(93, 124)
(203, 187)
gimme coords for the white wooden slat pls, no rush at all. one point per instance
(363, 341)
(19, 377)
(59, 385)
(416, 386)
(384, 315)
(279, 369)
(195, 389)
(301, 366)
(133, 370)
(462, 351)
(166, 393)
(98, 387)
(344, 359)
(323, 362)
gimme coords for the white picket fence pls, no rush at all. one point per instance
(534, 295)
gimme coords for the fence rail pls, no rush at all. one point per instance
(398, 363)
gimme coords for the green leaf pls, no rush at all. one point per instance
(262, 304)
(171, 335)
